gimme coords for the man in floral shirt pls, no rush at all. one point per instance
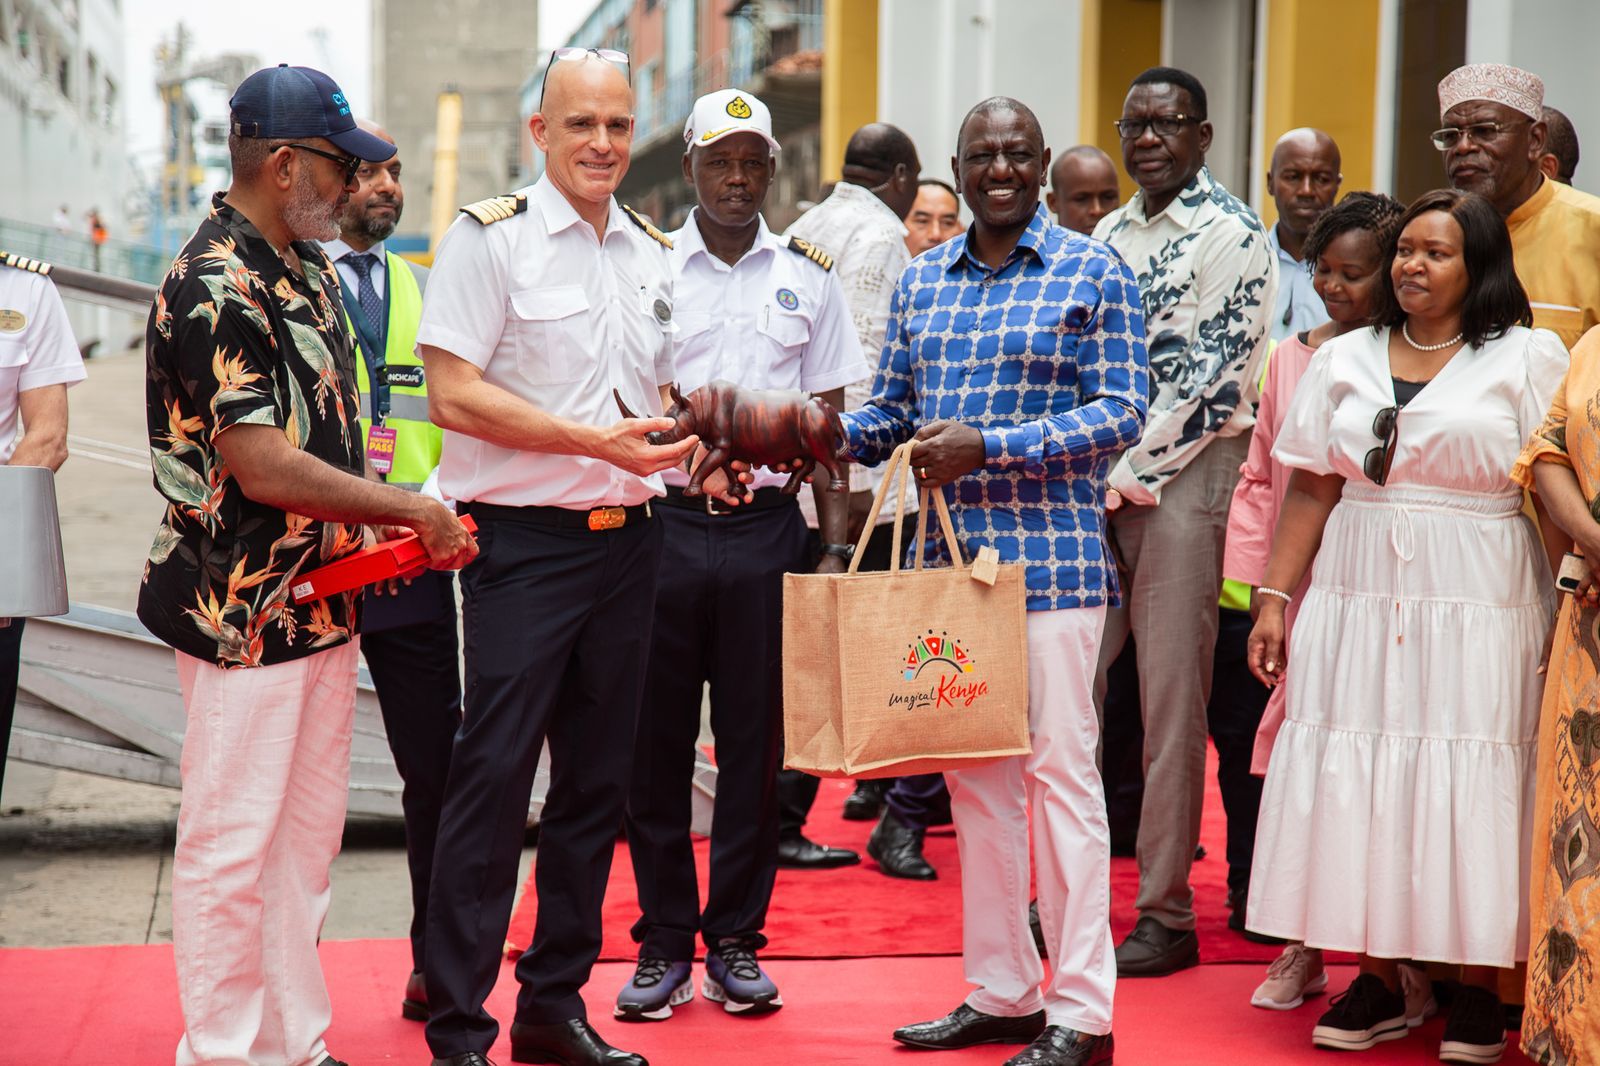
(251, 399)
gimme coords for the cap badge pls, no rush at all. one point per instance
(738, 108)
(787, 299)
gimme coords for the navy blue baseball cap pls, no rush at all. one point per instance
(283, 101)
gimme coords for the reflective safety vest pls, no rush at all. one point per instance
(418, 442)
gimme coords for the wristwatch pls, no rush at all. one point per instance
(843, 551)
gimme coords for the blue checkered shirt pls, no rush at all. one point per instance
(1046, 357)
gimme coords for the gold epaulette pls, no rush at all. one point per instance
(644, 224)
(496, 208)
(22, 262)
(811, 252)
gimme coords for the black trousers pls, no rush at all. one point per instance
(557, 625)
(1233, 715)
(797, 790)
(917, 798)
(416, 670)
(10, 664)
(719, 619)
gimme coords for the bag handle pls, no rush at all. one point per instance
(899, 463)
(919, 546)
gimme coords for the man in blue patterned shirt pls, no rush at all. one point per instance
(1015, 357)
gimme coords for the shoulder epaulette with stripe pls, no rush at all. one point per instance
(644, 224)
(811, 252)
(22, 262)
(496, 208)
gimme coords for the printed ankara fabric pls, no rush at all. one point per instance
(238, 338)
(1045, 356)
(1559, 1023)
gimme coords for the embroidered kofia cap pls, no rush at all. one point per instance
(283, 102)
(1496, 83)
(724, 113)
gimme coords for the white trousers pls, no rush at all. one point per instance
(266, 770)
(1059, 785)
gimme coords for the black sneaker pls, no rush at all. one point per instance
(1365, 1014)
(1476, 1028)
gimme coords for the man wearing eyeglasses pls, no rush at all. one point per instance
(1209, 281)
(1493, 137)
(252, 408)
(545, 308)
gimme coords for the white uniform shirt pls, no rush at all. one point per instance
(868, 245)
(773, 320)
(36, 346)
(558, 318)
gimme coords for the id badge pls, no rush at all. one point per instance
(380, 448)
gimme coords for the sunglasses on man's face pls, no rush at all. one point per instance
(1386, 427)
(610, 55)
(348, 163)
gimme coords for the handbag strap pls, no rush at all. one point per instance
(936, 498)
(899, 463)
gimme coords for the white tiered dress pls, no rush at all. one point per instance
(1395, 815)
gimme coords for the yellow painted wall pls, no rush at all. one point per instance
(849, 76)
(1121, 38)
(1322, 71)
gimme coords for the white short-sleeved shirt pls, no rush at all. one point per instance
(773, 320)
(554, 316)
(36, 346)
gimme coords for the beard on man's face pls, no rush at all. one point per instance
(308, 215)
(373, 226)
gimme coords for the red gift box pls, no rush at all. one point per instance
(382, 561)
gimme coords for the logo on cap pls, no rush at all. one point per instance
(341, 103)
(738, 108)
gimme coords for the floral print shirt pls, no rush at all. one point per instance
(237, 337)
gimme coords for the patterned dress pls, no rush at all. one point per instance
(1560, 1023)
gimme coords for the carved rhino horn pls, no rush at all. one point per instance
(677, 397)
(622, 406)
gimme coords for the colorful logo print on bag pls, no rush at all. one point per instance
(941, 669)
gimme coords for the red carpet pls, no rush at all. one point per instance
(856, 912)
(103, 1005)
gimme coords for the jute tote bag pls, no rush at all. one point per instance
(904, 671)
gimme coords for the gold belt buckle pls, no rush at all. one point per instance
(602, 518)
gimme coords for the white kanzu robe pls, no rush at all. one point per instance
(1395, 815)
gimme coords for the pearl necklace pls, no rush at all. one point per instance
(1405, 331)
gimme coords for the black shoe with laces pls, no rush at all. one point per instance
(1363, 1015)
(1476, 1029)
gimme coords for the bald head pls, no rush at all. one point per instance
(1560, 159)
(882, 158)
(1304, 181)
(1083, 188)
(584, 126)
(994, 106)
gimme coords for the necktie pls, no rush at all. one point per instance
(371, 303)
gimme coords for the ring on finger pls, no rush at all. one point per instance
(922, 472)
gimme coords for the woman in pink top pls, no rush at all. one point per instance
(1345, 248)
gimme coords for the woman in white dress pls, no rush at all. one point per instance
(1395, 815)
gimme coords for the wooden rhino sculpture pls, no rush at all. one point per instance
(760, 427)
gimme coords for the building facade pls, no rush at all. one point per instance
(480, 49)
(682, 49)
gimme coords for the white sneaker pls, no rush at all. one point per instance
(1293, 976)
(1418, 989)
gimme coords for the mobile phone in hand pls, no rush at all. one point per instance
(1573, 569)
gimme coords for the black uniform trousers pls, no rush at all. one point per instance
(797, 790)
(416, 670)
(557, 626)
(10, 666)
(719, 619)
(1233, 714)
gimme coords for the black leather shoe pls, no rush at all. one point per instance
(864, 804)
(964, 1027)
(897, 849)
(470, 1058)
(329, 1060)
(569, 1043)
(1060, 1046)
(1153, 950)
(798, 853)
(415, 1006)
